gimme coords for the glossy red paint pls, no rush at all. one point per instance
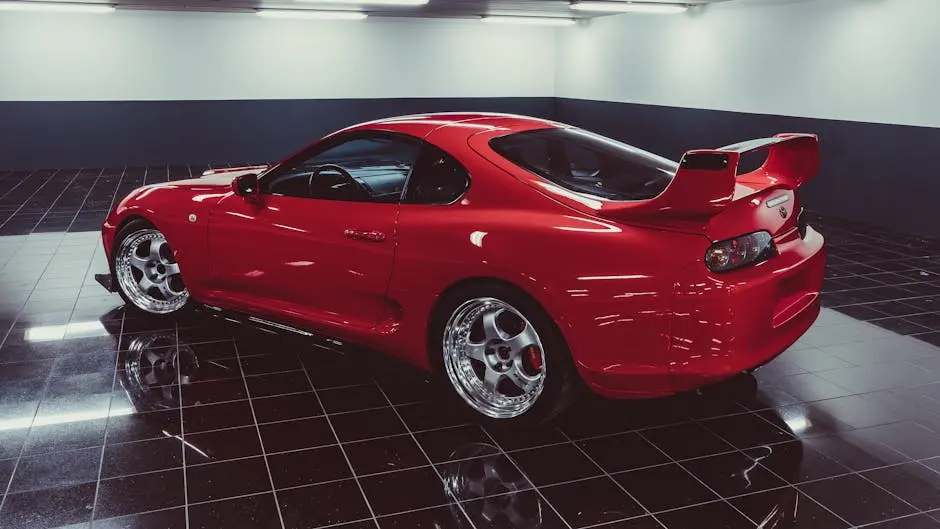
(625, 282)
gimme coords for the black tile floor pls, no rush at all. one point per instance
(114, 420)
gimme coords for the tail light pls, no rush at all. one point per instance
(731, 254)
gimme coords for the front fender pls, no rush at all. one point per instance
(181, 213)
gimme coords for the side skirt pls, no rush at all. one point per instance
(317, 340)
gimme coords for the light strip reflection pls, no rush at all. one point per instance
(63, 418)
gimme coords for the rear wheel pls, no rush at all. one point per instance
(148, 276)
(503, 356)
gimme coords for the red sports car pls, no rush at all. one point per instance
(521, 258)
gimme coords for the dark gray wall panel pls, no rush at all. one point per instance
(115, 133)
(880, 174)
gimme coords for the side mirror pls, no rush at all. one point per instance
(245, 185)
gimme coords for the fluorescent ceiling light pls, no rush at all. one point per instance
(628, 7)
(369, 2)
(309, 13)
(56, 7)
(531, 21)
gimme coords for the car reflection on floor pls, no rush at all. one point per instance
(481, 482)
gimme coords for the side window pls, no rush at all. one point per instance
(363, 169)
(437, 178)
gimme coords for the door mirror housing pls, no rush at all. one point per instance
(245, 185)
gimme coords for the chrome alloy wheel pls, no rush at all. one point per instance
(494, 358)
(148, 274)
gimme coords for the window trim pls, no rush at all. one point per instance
(338, 139)
(330, 142)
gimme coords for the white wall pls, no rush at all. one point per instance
(857, 60)
(129, 55)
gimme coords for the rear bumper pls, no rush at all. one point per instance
(722, 325)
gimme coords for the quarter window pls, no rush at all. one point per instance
(588, 163)
(437, 178)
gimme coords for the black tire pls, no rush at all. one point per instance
(130, 228)
(562, 386)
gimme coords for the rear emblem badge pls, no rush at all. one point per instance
(783, 211)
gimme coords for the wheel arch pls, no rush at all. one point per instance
(439, 306)
(132, 218)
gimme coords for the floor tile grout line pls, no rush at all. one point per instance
(255, 494)
(104, 444)
(524, 473)
(888, 491)
(342, 449)
(423, 452)
(264, 455)
(114, 193)
(283, 452)
(786, 485)
(527, 448)
(722, 497)
(289, 420)
(27, 199)
(38, 404)
(609, 477)
(183, 431)
(85, 199)
(848, 471)
(24, 179)
(911, 515)
(53, 203)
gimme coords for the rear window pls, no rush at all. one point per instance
(588, 163)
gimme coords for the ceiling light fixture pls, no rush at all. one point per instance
(627, 7)
(369, 2)
(311, 14)
(58, 7)
(530, 21)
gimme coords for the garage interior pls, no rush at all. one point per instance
(111, 419)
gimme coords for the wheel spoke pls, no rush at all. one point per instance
(172, 269)
(491, 379)
(138, 262)
(517, 377)
(164, 288)
(151, 356)
(490, 329)
(155, 245)
(476, 351)
(524, 339)
(145, 283)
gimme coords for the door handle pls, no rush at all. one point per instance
(365, 235)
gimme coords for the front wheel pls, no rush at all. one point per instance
(503, 355)
(148, 276)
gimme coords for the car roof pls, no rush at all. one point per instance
(422, 125)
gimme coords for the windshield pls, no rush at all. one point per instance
(588, 163)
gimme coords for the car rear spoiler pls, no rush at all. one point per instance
(705, 182)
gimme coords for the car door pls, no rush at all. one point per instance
(318, 243)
